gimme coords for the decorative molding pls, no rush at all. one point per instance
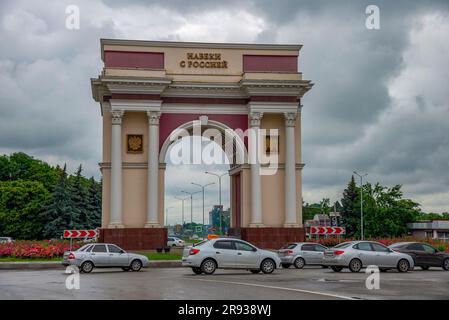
(273, 107)
(205, 108)
(255, 118)
(130, 165)
(290, 119)
(117, 116)
(153, 118)
(135, 105)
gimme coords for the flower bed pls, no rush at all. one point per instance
(46, 249)
(333, 241)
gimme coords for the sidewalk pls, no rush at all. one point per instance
(57, 265)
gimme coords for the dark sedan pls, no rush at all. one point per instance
(424, 255)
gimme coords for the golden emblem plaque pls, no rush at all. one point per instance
(134, 143)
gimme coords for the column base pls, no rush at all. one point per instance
(116, 226)
(256, 225)
(291, 225)
(272, 237)
(135, 238)
(152, 225)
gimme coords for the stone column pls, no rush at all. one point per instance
(153, 170)
(290, 170)
(256, 181)
(115, 220)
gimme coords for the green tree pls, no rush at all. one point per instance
(21, 204)
(94, 204)
(79, 199)
(58, 210)
(349, 212)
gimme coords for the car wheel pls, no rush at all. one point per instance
(355, 265)
(403, 265)
(425, 267)
(208, 266)
(336, 268)
(197, 270)
(255, 271)
(87, 266)
(125, 268)
(286, 265)
(299, 263)
(136, 265)
(446, 264)
(267, 266)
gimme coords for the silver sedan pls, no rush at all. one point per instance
(227, 253)
(301, 253)
(358, 254)
(104, 255)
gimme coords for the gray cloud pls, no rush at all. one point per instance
(379, 103)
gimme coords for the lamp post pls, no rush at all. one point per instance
(361, 176)
(191, 203)
(166, 215)
(202, 188)
(219, 176)
(182, 200)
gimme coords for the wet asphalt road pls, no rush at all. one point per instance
(181, 283)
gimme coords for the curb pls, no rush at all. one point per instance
(57, 265)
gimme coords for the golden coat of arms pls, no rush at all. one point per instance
(135, 143)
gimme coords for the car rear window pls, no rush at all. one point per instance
(84, 248)
(290, 246)
(343, 245)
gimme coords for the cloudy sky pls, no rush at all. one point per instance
(380, 103)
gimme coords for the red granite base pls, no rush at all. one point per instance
(272, 238)
(135, 238)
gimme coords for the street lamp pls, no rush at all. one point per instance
(182, 200)
(166, 215)
(191, 203)
(361, 176)
(219, 176)
(203, 187)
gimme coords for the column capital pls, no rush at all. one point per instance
(153, 117)
(117, 116)
(255, 118)
(290, 119)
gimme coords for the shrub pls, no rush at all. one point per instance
(37, 249)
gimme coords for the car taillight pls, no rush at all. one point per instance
(289, 251)
(338, 252)
(193, 251)
(71, 256)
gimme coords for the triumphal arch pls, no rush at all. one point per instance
(152, 93)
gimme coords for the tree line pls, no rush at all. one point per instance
(39, 201)
(385, 211)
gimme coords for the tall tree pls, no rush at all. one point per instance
(58, 210)
(349, 212)
(94, 204)
(79, 200)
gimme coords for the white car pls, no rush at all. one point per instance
(226, 253)
(175, 242)
(6, 240)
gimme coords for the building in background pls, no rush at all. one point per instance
(436, 229)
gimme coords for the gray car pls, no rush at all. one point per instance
(228, 253)
(358, 254)
(302, 253)
(104, 255)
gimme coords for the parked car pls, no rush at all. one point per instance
(104, 255)
(175, 242)
(356, 255)
(423, 254)
(6, 240)
(301, 253)
(226, 253)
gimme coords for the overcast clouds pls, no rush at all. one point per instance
(380, 103)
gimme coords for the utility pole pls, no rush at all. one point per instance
(219, 176)
(191, 204)
(166, 215)
(202, 188)
(361, 176)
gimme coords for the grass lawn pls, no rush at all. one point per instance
(161, 256)
(13, 259)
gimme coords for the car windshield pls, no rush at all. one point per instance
(343, 245)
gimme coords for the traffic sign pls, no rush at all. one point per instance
(80, 233)
(199, 228)
(327, 230)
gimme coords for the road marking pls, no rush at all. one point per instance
(278, 288)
